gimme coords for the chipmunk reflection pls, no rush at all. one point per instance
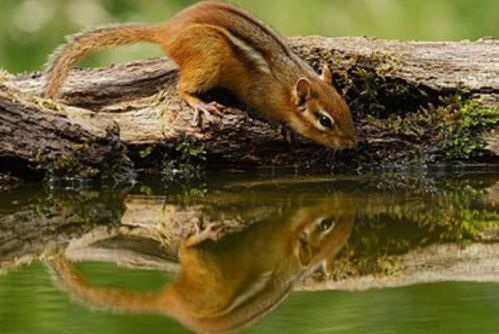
(223, 286)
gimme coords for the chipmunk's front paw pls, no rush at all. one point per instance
(208, 113)
(211, 231)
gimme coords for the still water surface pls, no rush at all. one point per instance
(390, 253)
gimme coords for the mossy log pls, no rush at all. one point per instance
(412, 103)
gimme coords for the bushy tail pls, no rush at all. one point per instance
(68, 55)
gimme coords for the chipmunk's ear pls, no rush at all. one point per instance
(302, 91)
(326, 75)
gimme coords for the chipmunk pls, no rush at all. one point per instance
(227, 285)
(217, 45)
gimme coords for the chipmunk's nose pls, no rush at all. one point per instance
(349, 141)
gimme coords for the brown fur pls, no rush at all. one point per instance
(219, 45)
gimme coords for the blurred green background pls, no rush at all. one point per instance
(31, 29)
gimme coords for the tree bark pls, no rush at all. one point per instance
(390, 81)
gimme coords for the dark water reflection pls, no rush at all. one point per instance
(222, 255)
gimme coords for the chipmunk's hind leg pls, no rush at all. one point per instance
(201, 55)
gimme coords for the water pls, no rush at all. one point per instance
(380, 253)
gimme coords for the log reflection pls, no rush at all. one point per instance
(230, 283)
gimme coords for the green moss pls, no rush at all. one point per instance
(85, 162)
(188, 162)
(406, 123)
(67, 166)
(471, 224)
(146, 152)
(47, 104)
(386, 64)
(448, 132)
(370, 91)
(465, 120)
(190, 150)
(116, 165)
(189, 196)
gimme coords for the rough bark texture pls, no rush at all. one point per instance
(380, 79)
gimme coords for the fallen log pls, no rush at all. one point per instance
(413, 103)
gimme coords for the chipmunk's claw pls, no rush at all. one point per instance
(289, 135)
(212, 231)
(209, 113)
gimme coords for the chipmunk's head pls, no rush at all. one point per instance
(322, 237)
(322, 115)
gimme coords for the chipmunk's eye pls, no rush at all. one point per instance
(326, 122)
(326, 224)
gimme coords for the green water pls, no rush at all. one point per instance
(440, 229)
